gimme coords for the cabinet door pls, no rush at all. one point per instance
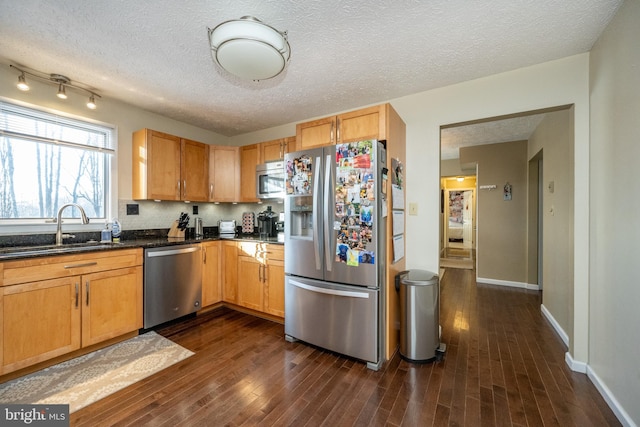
(211, 289)
(249, 159)
(251, 272)
(272, 150)
(290, 144)
(41, 321)
(229, 271)
(224, 174)
(163, 166)
(316, 133)
(194, 168)
(274, 289)
(111, 304)
(368, 123)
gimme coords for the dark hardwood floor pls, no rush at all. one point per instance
(504, 366)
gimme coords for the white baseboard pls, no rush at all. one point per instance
(574, 365)
(611, 400)
(556, 326)
(521, 285)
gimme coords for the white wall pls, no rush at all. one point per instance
(555, 83)
(614, 328)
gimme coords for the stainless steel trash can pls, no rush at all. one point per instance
(419, 315)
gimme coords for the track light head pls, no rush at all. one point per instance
(91, 104)
(62, 94)
(22, 83)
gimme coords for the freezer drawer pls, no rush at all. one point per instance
(340, 318)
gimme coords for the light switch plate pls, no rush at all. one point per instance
(413, 209)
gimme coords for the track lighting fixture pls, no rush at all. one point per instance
(62, 94)
(63, 82)
(22, 83)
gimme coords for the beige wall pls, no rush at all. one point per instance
(501, 238)
(554, 137)
(614, 327)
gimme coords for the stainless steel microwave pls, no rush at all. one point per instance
(270, 180)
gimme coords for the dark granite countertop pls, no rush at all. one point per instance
(9, 253)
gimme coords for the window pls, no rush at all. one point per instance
(48, 160)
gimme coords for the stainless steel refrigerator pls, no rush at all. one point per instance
(335, 248)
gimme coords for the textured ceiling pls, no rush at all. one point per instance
(491, 132)
(345, 54)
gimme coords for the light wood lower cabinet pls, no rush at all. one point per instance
(261, 277)
(211, 284)
(229, 259)
(45, 318)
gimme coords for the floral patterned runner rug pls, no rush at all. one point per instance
(81, 381)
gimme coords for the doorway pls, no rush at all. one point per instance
(458, 222)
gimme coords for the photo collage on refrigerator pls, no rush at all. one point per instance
(298, 176)
(354, 202)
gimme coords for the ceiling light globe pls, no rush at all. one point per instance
(249, 49)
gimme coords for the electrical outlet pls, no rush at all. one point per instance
(132, 209)
(195, 210)
(413, 209)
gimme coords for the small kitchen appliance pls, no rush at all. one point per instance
(227, 228)
(198, 229)
(267, 223)
(270, 180)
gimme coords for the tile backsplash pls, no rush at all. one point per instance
(162, 214)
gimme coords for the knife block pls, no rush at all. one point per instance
(174, 231)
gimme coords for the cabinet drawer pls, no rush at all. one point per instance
(35, 269)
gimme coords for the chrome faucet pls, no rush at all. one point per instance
(59, 235)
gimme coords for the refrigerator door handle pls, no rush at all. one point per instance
(314, 215)
(352, 294)
(328, 195)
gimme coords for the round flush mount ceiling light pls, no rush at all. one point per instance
(250, 49)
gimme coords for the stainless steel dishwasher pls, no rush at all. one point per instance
(172, 283)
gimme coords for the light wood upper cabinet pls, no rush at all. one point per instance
(167, 167)
(249, 159)
(272, 151)
(367, 123)
(211, 283)
(316, 133)
(156, 165)
(54, 305)
(194, 171)
(224, 174)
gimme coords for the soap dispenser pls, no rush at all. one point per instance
(105, 235)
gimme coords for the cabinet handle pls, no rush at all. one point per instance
(211, 191)
(86, 264)
(260, 272)
(87, 288)
(77, 294)
(331, 140)
(337, 131)
(204, 255)
(179, 190)
(264, 273)
(184, 187)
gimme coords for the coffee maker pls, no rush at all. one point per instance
(267, 221)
